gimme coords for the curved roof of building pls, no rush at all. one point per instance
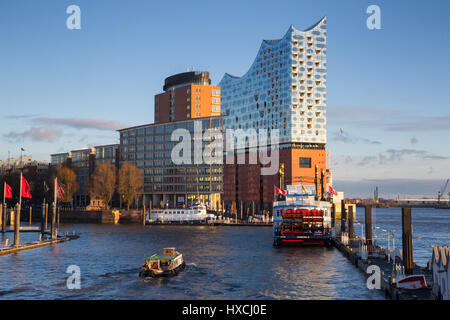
(274, 42)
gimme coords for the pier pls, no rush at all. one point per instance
(36, 244)
(13, 216)
(394, 265)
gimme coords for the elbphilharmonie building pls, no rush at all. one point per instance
(285, 89)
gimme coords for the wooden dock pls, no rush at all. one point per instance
(380, 259)
(373, 255)
(36, 244)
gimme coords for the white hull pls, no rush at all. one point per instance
(180, 215)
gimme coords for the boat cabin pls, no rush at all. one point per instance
(169, 251)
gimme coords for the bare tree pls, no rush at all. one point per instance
(68, 178)
(131, 180)
(103, 183)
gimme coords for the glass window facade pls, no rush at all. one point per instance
(283, 89)
(161, 175)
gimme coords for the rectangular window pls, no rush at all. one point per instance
(305, 162)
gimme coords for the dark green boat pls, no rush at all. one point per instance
(170, 262)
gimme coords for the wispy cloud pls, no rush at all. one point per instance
(80, 123)
(391, 120)
(21, 116)
(35, 134)
(388, 188)
(391, 155)
(345, 137)
(422, 124)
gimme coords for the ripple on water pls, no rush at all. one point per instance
(221, 263)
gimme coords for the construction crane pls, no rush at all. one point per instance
(442, 192)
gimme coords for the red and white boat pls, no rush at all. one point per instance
(412, 282)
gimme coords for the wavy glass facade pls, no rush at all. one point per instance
(285, 88)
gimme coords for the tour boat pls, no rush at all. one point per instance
(170, 262)
(196, 213)
(300, 219)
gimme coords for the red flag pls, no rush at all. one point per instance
(26, 193)
(332, 191)
(279, 191)
(8, 191)
(59, 191)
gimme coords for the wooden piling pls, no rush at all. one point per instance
(57, 216)
(43, 219)
(368, 222)
(11, 217)
(46, 216)
(17, 225)
(53, 221)
(242, 209)
(351, 233)
(1, 215)
(143, 214)
(407, 241)
(343, 216)
(31, 213)
(4, 218)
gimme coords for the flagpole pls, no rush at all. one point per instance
(53, 227)
(20, 189)
(54, 191)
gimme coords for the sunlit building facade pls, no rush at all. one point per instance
(285, 89)
(150, 146)
(84, 161)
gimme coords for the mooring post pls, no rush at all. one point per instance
(343, 216)
(242, 209)
(17, 226)
(143, 214)
(53, 221)
(43, 219)
(351, 233)
(407, 241)
(46, 216)
(368, 222)
(31, 212)
(57, 216)
(253, 208)
(4, 219)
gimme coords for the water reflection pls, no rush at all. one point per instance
(222, 263)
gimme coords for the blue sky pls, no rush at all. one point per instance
(388, 89)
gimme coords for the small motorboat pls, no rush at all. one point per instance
(412, 282)
(170, 262)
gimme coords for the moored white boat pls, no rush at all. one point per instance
(196, 213)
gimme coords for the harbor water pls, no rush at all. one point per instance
(223, 262)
